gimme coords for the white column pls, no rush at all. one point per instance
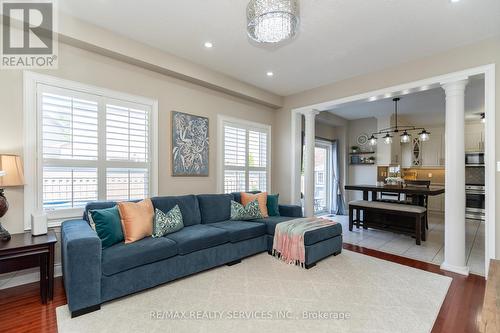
(454, 224)
(310, 138)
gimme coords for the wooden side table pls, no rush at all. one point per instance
(24, 251)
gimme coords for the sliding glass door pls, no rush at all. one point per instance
(322, 177)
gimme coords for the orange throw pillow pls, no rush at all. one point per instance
(137, 219)
(246, 198)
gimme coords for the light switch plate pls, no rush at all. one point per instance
(498, 166)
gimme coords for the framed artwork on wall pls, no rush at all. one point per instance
(190, 145)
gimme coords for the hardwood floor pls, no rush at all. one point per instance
(462, 306)
(21, 310)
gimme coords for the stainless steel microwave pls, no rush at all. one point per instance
(474, 159)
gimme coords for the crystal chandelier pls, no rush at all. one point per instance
(272, 21)
(405, 137)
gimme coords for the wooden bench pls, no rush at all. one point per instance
(389, 216)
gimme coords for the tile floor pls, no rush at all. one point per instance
(431, 250)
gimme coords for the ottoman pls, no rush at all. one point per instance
(319, 243)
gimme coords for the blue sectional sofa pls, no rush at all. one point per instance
(209, 239)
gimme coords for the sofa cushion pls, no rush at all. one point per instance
(198, 237)
(237, 195)
(261, 198)
(241, 230)
(187, 203)
(215, 207)
(311, 237)
(122, 257)
(137, 219)
(108, 225)
(99, 205)
(244, 213)
(271, 222)
(165, 224)
(273, 207)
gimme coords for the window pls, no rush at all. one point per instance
(90, 144)
(245, 159)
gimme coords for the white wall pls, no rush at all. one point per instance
(360, 174)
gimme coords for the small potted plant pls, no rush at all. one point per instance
(355, 149)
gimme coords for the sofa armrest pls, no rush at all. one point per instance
(81, 263)
(290, 210)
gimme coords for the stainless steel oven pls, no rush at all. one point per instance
(474, 159)
(475, 202)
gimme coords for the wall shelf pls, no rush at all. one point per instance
(363, 153)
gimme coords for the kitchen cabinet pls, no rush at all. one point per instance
(474, 137)
(433, 151)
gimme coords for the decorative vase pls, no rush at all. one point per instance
(4, 207)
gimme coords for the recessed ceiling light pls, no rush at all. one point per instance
(270, 74)
(209, 45)
(454, 0)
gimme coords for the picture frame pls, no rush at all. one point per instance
(190, 147)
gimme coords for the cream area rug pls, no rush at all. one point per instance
(347, 293)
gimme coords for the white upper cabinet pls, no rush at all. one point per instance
(433, 151)
(474, 137)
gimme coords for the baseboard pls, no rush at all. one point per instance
(463, 270)
(19, 278)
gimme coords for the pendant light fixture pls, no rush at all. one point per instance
(388, 139)
(405, 137)
(388, 133)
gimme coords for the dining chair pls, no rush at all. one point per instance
(409, 197)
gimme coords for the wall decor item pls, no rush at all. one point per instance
(362, 139)
(190, 143)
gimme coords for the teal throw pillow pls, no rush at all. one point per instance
(273, 208)
(167, 223)
(108, 225)
(243, 213)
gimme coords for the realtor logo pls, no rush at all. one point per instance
(28, 37)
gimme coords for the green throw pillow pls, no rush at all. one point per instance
(108, 225)
(167, 223)
(273, 208)
(241, 213)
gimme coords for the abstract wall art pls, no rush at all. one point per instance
(190, 144)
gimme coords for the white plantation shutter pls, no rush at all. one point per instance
(126, 134)
(92, 148)
(246, 150)
(69, 127)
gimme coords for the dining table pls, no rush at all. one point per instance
(417, 193)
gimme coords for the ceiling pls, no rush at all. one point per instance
(338, 39)
(424, 108)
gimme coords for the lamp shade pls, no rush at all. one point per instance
(13, 168)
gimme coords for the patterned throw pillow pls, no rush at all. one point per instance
(167, 223)
(243, 213)
(261, 198)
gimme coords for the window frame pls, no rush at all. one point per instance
(248, 125)
(33, 165)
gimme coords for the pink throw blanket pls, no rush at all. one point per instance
(288, 244)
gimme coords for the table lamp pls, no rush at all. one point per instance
(11, 175)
